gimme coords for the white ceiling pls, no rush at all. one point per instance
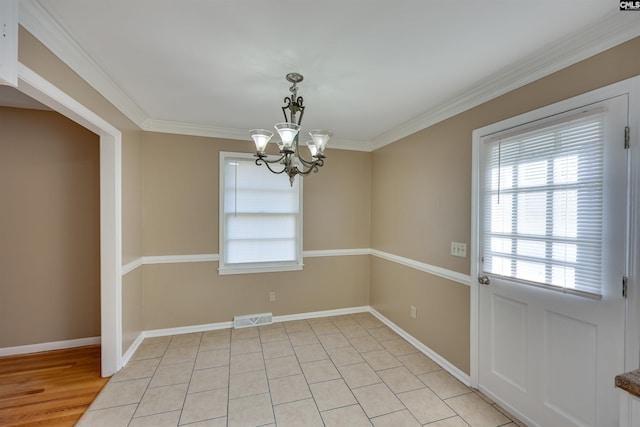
(374, 70)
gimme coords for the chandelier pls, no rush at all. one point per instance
(291, 161)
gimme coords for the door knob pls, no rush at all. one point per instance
(484, 280)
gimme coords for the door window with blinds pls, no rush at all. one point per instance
(260, 218)
(544, 196)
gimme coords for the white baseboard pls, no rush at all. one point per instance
(324, 313)
(225, 325)
(131, 350)
(48, 346)
(187, 329)
(444, 363)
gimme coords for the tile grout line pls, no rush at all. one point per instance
(341, 376)
(322, 333)
(149, 383)
(266, 375)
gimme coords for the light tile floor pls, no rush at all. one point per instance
(347, 371)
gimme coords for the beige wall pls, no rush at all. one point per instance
(181, 196)
(188, 294)
(181, 218)
(38, 58)
(421, 194)
(49, 229)
(177, 200)
(411, 198)
(442, 321)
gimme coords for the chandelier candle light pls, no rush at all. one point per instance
(291, 160)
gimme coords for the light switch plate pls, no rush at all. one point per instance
(459, 249)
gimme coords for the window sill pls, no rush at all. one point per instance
(259, 269)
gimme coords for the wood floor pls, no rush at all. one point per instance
(50, 389)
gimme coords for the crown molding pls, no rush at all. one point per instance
(181, 128)
(618, 28)
(351, 144)
(35, 19)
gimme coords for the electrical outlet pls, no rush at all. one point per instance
(414, 312)
(272, 296)
(459, 249)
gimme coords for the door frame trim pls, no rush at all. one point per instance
(37, 87)
(632, 316)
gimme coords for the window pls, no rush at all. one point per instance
(260, 218)
(544, 203)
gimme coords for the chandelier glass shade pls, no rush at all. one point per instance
(291, 160)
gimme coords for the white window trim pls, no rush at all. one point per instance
(255, 267)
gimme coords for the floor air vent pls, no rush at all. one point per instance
(252, 320)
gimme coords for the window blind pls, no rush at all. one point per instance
(543, 204)
(261, 214)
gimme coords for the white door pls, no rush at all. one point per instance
(551, 310)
